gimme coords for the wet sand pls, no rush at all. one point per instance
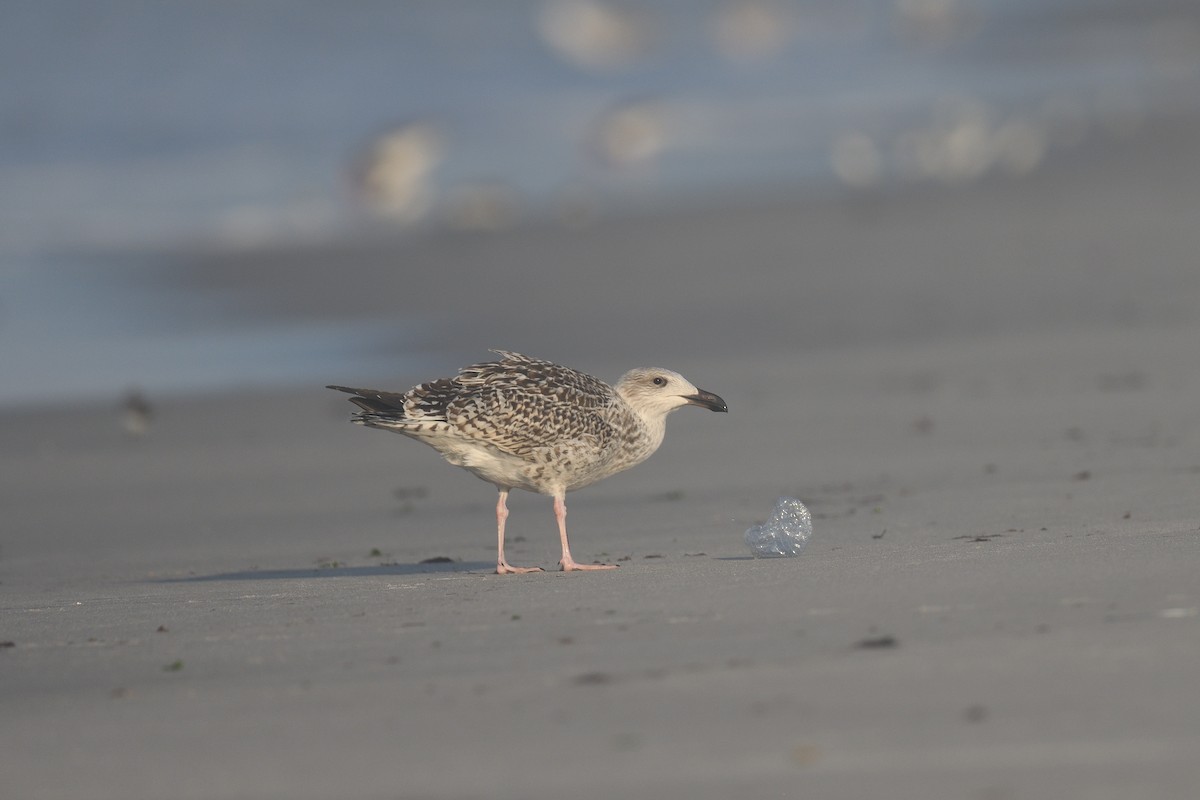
(986, 395)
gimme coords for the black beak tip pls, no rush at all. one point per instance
(708, 400)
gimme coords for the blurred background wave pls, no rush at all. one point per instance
(150, 127)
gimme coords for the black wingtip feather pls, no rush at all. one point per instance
(372, 406)
(374, 401)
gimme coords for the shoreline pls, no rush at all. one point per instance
(986, 397)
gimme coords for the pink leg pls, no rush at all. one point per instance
(502, 566)
(567, 563)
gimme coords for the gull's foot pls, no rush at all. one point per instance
(571, 565)
(504, 568)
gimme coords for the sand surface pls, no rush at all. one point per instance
(989, 397)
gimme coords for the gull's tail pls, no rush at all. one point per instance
(379, 409)
(402, 412)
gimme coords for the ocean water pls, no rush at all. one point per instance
(158, 126)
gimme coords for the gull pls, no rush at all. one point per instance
(524, 423)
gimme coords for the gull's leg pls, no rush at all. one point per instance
(502, 566)
(567, 563)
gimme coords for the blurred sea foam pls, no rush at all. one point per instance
(128, 126)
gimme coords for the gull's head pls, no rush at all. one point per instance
(654, 392)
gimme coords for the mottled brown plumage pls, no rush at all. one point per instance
(524, 423)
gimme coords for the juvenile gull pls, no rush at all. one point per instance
(524, 423)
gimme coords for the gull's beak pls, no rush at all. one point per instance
(706, 400)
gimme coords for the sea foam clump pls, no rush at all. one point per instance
(784, 534)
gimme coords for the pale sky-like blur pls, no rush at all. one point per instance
(151, 127)
(132, 122)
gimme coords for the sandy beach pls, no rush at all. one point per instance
(986, 394)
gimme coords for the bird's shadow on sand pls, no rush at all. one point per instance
(464, 567)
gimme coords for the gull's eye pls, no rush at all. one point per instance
(659, 380)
